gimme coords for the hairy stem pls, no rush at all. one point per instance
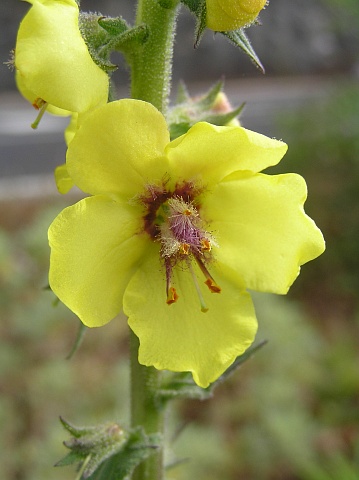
(151, 64)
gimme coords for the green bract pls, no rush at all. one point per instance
(175, 232)
(52, 60)
(225, 15)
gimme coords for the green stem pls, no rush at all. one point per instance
(151, 64)
(151, 70)
(146, 411)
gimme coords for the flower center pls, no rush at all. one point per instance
(173, 219)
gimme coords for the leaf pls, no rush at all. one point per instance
(181, 385)
(79, 337)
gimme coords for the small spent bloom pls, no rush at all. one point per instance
(53, 64)
(175, 232)
(226, 15)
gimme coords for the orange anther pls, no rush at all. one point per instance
(172, 296)
(214, 288)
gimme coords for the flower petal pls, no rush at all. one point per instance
(95, 248)
(63, 180)
(209, 153)
(53, 60)
(119, 148)
(32, 97)
(180, 337)
(261, 228)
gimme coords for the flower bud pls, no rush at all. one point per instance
(52, 60)
(226, 15)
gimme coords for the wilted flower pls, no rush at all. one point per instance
(53, 64)
(225, 15)
(175, 233)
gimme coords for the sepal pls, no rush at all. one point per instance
(107, 452)
(239, 39)
(96, 38)
(212, 107)
(103, 35)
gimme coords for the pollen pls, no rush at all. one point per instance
(206, 245)
(185, 249)
(211, 284)
(38, 103)
(172, 296)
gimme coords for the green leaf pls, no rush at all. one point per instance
(79, 338)
(240, 39)
(238, 362)
(181, 385)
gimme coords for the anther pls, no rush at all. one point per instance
(211, 284)
(206, 245)
(172, 296)
(38, 103)
(42, 107)
(184, 249)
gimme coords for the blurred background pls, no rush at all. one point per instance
(292, 411)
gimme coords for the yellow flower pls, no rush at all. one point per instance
(225, 15)
(175, 232)
(52, 61)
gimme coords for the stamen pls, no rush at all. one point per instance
(172, 296)
(38, 103)
(204, 307)
(43, 107)
(206, 245)
(184, 249)
(211, 284)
